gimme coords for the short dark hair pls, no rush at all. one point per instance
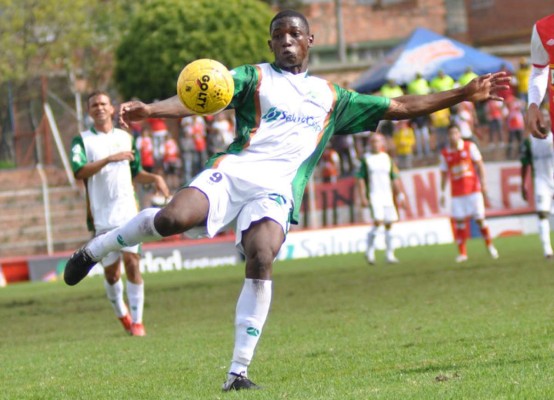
(289, 14)
(452, 126)
(98, 93)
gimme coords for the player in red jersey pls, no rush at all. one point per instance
(462, 164)
(542, 76)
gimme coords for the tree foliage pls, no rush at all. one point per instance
(165, 35)
(45, 37)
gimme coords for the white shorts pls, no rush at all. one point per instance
(112, 256)
(543, 196)
(239, 202)
(471, 205)
(383, 213)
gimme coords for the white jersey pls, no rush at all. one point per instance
(539, 153)
(378, 171)
(283, 123)
(111, 196)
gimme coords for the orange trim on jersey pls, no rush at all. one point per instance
(328, 117)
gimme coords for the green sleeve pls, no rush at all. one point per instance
(136, 165)
(356, 112)
(526, 157)
(78, 154)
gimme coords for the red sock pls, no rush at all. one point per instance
(461, 240)
(486, 235)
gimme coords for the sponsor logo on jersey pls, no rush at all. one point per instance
(550, 42)
(274, 114)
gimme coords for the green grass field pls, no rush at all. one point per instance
(338, 329)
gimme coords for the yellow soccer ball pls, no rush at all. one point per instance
(205, 86)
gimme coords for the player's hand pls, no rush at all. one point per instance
(122, 156)
(364, 202)
(485, 87)
(535, 122)
(486, 197)
(161, 187)
(132, 111)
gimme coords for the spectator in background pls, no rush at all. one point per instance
(404, 141)
(465, 119)
(330, 164)
(441, 82)
(420, 86)
(516, 125)
(172, 162)
(509, 90)
(224, 129)
(467, 76)
(440, 120)
(145, 146)
(188, 152)
(495, 115)
(198, 134)
(380, 189)
(390, 90)
(522, 79)
(344, 145)
(159, 132)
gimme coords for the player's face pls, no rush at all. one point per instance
(375, 143)
(290, 42)
(454, 135)
(100, 108)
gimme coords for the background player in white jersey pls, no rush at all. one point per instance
(284, 118)
(542, 76)
(537, 155)
(106, 159)
(379, 188)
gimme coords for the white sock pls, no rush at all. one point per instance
(115, 295)
(135, 295)
(371, 237)
(388, 242)
(137, 230)
(252, 309)
(544, 234)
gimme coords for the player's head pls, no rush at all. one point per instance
(290, 40)
(100, 107)
(454, 134)
(376, 143)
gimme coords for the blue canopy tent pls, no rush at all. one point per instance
(427, 52)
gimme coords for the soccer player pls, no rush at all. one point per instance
(284, 118)
(538, 155)
(107, 160)
(458, 163)
(378, 187)
(542, 76)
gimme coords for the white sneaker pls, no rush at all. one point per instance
(391, 259)
(493, 252)
(370, 256)
(461, 258)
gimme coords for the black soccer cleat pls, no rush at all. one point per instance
(239, 382)
(78, 266)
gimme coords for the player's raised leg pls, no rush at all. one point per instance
(187, 209)
(485, 232)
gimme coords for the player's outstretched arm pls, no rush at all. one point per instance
(481, 88)
(137, 110)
